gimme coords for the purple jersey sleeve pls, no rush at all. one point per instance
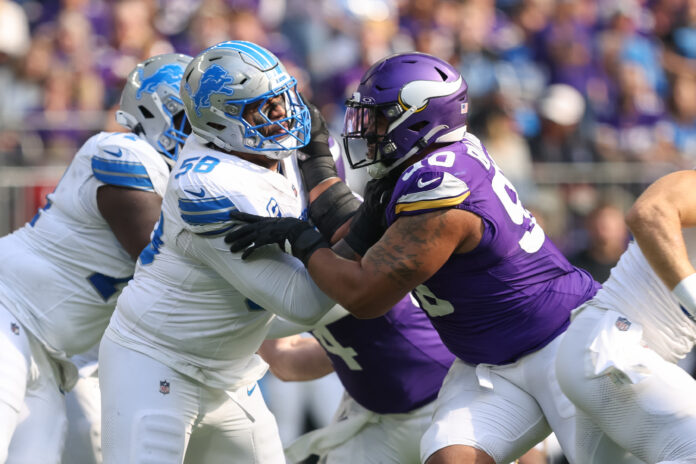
(391, 364)
(513, 293)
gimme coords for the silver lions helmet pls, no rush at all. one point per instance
(151, 106)
(239, 97)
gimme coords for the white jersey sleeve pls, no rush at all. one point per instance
(124, 160)
(635, 290)
(273, 280)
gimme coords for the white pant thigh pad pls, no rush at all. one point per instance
(147, 408)
(504, 421)
(238, 424)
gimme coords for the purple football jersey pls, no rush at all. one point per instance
(513, 293)
(391, 364)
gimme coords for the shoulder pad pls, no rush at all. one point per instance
(429, 191)
(203, 212)
(117, 165)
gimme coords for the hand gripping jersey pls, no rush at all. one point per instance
(392, 364)
(192, 304)
(634, 290)
(63, 271)
(513, 293)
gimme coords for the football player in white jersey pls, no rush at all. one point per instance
(177, 364)
(617, 360)
(62, 272)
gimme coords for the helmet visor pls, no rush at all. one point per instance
(365, 130)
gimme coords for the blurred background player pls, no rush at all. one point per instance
(177, 366)
(617, 360)
(63, 271)
(392, 369)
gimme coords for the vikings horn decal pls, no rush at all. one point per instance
(416, 94)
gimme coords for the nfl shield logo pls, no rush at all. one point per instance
(622, 324)
(14, 328)
(164, 387)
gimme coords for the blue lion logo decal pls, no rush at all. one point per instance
(214, 80)
(170, 74)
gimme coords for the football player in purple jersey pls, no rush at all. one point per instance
(457, 237)
(392, 368)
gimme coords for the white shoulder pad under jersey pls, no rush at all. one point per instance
(209, 185)
(113, 158)
(126, 160)
(431, 184)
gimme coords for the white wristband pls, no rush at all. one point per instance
(685, 291)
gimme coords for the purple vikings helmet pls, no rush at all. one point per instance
(420, 100)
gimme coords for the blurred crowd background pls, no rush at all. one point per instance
(581, 102)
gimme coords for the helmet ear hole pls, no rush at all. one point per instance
(216, 126)
(418, 126)
(145, 112)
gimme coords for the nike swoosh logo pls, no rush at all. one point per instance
(200, 194)
(117, 154)
(249, 392)
(422, 184)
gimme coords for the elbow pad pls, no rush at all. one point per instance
(333, 208)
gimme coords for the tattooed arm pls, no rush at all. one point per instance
(411, 251)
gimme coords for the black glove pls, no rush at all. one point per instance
(370, 221)
(259, 231)
(314, 159)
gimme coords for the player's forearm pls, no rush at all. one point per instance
(350, 285)
(296, 359)
(273, 280)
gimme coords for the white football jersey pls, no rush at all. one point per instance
(636, 291)
(192, 304)
(62, 272)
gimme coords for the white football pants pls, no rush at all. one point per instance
(625, 390)
(32, 406)
(506, 410)
(153, 414)
(359, 435)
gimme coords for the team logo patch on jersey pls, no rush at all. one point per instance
(214, 81)
(14, 328)
(169, 75)
(622, 324)
(273, 208)
(164, 387)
